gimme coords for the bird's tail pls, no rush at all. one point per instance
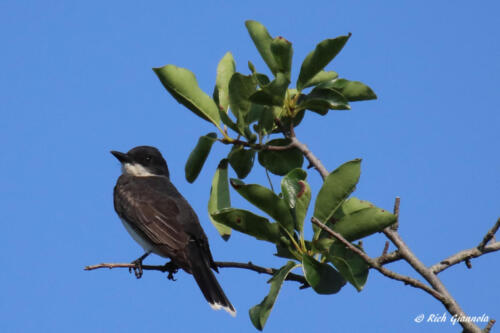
(205, 278)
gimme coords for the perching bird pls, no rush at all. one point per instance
(159, 218)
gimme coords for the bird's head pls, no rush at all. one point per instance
(142, 161)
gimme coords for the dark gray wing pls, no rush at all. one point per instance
(153, 216)
(158, 212)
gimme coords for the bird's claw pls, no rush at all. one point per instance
(137, 268)
(171, 268)
(138, 265)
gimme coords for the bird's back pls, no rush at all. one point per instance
(156, 210)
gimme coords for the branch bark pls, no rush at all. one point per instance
(313, 160)
(489, 236)
(222, 264)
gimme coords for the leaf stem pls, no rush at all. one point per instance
(294, 242)
(269, 180)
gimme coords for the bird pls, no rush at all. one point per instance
(161, 220)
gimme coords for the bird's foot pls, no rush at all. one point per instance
(171, 268)
(138, 265)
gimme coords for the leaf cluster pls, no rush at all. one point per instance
(248, 110)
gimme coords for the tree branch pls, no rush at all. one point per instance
(489, 235)
(222, 264)
(263, 270)
(437, 289)
(463, 256)
(373, 263)
(446, 299)
(475, 252)
(388, 258)
(315, 162)
(289, 133)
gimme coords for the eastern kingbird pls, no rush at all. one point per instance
(159, 218)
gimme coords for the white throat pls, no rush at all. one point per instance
(136, 170)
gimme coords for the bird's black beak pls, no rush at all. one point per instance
(122, 157)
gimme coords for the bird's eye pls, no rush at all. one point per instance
(148, 158)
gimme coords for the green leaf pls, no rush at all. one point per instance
(260, 312)
(352, 267)
(322, 76)
(261, 79)
(290, 186)
(219, 198)
(248, 223)
(283, 52)
(338, 185)
(266, 121)
(182, 85)
(241, 160)
(322, 245)
(363, 223)
(272, 94)
(198, 156)
(228, 122)
(225, 70)
(322, 277)
(262, 41)
(284, 252)
(255, 113)
(280, 162)
(265, 199)
(297, 194)
(240, 89)
(350, 206)
(317, 60)
(352, 90)
(321, 100)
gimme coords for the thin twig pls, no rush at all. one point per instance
(386, 248)
(221, 264)
(374, 263)
(463, 256)
(262, 270)
(489, 235)
(388, 258)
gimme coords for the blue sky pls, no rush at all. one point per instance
(77, 82)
